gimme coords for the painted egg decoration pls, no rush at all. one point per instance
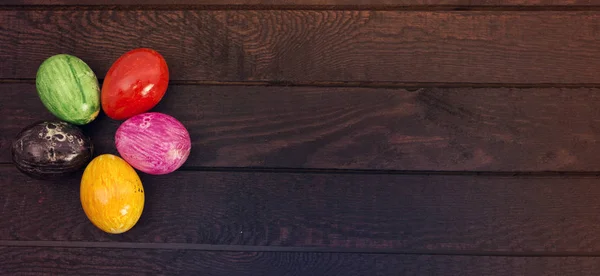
(51, 150)
(69, 89)
(134, 84)
(112, 194)
(154, 143)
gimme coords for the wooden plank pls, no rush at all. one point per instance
(316, 46)
(312, 3)
(403, 213)
(86, 261)
(450, 129)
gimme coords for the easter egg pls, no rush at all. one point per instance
(134, 84)
(69, 89)
(154, 143)
(51, 150)
(111, 193)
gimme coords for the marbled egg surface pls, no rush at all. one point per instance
(111, 194)
(51, 149)
(68, 88)
(154, 143)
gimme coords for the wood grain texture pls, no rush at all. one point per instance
(74, 261)
(316, 46)
(405, 213)
(313, 3)
(452, 129)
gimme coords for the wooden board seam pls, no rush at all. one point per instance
(248, 248)
(532, 174)
(406, 8)
(411, 86)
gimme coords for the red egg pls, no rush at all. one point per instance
(134, 84)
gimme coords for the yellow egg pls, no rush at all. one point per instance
(112, 195)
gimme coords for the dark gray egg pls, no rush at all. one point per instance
(51, 150)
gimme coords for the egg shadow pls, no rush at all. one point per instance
(102, 133)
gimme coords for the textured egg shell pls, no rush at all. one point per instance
(134, 84)
(51, 149)
(68, 88)
(112, 195)
(154, 143)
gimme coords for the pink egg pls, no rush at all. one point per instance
(154, 143)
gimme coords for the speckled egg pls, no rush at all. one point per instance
(111, 193)
(154, 143)
(51, 149)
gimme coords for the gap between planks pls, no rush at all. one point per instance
(382, 7)
(540, 174)
(361, 84)
(292, 249)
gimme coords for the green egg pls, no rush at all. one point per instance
(69, 89)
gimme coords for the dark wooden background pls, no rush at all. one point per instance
(330, 137)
